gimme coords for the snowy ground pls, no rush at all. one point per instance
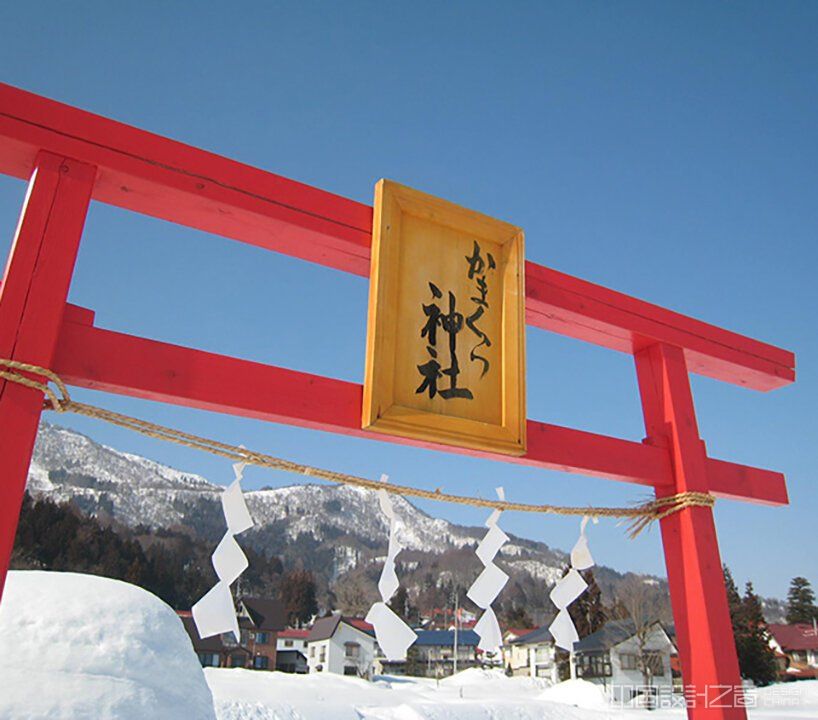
(78, 646)
(470, 695)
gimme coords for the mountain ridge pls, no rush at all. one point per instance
(337, 532)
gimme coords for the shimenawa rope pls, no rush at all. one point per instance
(641, 515)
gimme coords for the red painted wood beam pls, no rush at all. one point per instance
(704, 632)
(146, 173)
(32, 301)
(100, 359)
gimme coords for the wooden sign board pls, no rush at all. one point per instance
(445, 355)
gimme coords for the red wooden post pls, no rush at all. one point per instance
(704, 632)
(32, 300)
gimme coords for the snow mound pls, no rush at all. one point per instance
(82, 646)
(475, 676)
(580, 693)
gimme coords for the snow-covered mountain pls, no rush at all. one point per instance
(337, 525)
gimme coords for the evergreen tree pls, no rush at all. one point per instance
(298, 596)
(402, 606)
(756, 657)
(801, 602)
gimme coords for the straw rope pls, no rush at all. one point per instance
(641, 516)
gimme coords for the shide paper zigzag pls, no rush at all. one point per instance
(569, 589)
(393, 635)
(215, 612)
(489, 583)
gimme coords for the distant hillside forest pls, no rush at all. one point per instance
(172, 564)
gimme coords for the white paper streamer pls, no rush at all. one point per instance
(393, 635)
(569, 589)
(490, 582)
(215, 613)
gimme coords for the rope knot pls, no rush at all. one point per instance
(661, 508)
(60, 403)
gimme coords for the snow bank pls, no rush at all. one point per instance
(470, 695)
(579, 693)
(81, 646)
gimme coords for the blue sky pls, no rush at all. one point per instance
(667, 151)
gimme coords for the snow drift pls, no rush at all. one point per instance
(83, 646)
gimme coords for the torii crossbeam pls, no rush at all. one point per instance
(71, 157)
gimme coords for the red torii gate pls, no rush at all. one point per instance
(70, 157)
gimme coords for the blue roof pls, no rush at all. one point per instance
(446, 637)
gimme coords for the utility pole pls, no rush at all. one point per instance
(456, 621)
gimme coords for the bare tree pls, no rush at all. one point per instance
(354, 595)
(639, 605)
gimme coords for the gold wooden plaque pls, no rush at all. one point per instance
(445, 349)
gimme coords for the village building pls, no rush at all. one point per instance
(796, 650)
(531, 652)
(291, 650)
(260, 620)
(218, 650)
(433, 652)
(342, 645)
(612, 657)
(445, 618)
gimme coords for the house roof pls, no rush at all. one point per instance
(518, 632)
(212, 644)
(326, 627)
(294, 633)
(800, 636)
(265, 613)
(445, 638)
(610, 634)
(534, 637)
(361, 624)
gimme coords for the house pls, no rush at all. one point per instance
(217, 651)
(343, 645)
(796, 649)
(260, 620)
(612, 657)
(432, 654)
(532, 653)
(444, 619)
(291, 651)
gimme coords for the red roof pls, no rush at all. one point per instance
(293, 633)
(795, 637)
(360, 623)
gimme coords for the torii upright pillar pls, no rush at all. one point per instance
(700, 611)
(32, 301)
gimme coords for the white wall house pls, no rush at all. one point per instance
(341, 645)
(292, 639)
(291, 650)
(611, 657)
(796, 649)
(532, 654)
